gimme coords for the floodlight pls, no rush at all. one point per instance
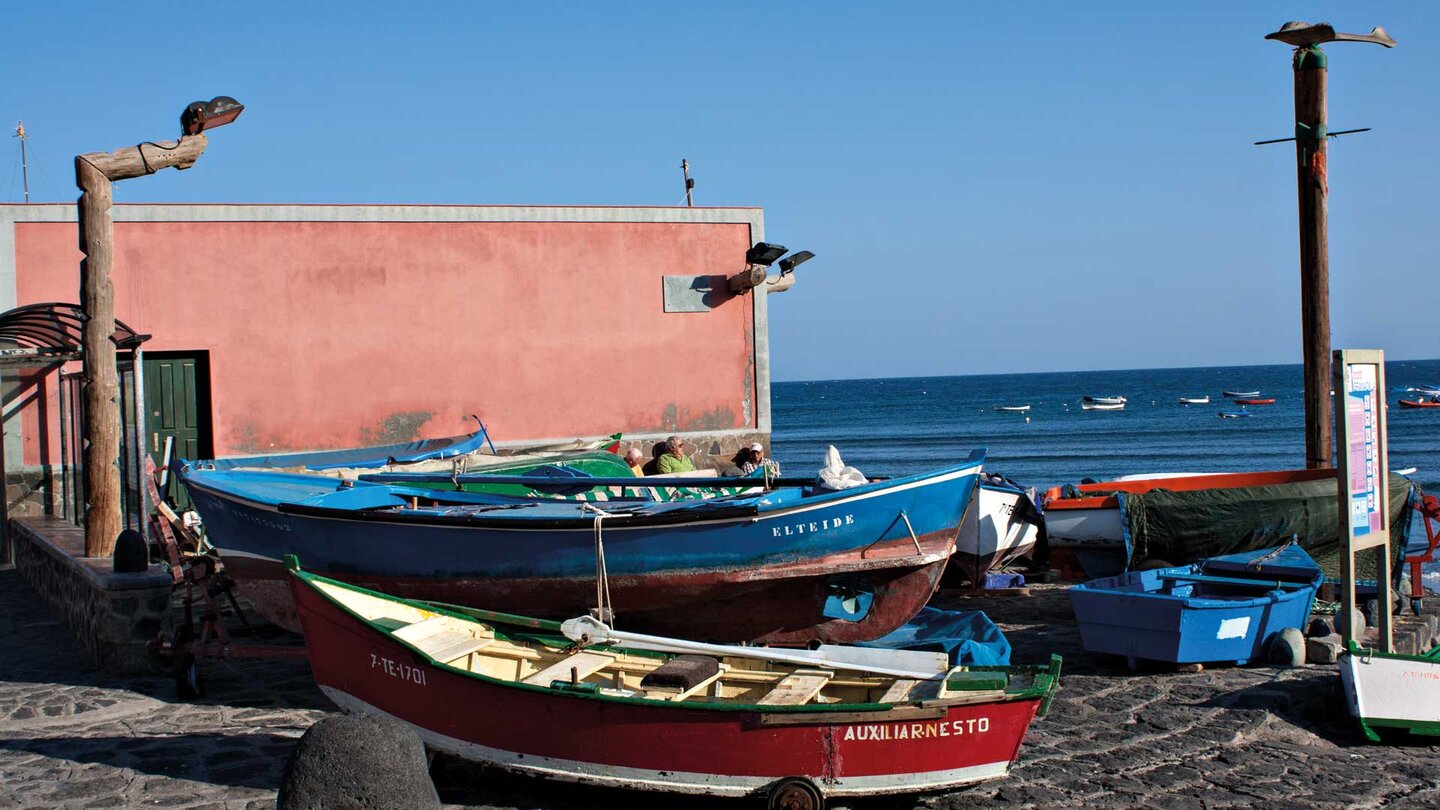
(764, 254)
(789, 263)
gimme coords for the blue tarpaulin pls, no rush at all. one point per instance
(968, 637)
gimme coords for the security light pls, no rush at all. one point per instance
(202, 115)
(764, 254)
(789, 263)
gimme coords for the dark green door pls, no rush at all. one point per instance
(177, 405)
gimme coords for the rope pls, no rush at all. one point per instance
(603, 610)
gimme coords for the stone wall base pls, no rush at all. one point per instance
(114, 615)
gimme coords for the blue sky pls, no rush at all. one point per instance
(988, 187)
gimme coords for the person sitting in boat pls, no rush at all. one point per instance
(753, 458)
(675, 460)
(636, 460)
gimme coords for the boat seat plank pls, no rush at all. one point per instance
(1257, 583)
(898, 691)
(797, 688)
(446, 647)
(585, 664)
(421, 630)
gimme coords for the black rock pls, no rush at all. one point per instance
(131, 556)
(357, 761)
(1320, 626)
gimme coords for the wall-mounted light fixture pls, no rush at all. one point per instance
(758, 260)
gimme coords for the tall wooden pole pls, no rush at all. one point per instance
(94, 174)
(1310, 155)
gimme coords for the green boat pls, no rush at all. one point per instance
(1389, 690)
(594, 476)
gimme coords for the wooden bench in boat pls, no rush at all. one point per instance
(576, 667)
(797, 688)
(1253, 583)
(442, 638)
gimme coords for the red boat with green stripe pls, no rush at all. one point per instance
(790, 564)
(546, 699)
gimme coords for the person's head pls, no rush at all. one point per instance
(675, 445)
(633, 456)
(757, 451)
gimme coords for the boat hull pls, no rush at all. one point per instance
(1161, 615)
(578, 738)
(1392, 691)
(997, 530)
(779, 577)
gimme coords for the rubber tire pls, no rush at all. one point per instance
(794, 793)
(188, 683)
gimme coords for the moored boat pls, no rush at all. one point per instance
(1389, 690)
(1110, 400)
(1255, 401)
(1241, 394)
(1102, 406)
(1002, 524)
(578, 702)
(1240, 414)
(1422, 402)
(792, 564)
(1222, 609)
(1012, 408)
(1205, 400)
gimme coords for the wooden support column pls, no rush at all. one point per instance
(1311, 185)
(94, 174)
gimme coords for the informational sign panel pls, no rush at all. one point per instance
(1363, 476)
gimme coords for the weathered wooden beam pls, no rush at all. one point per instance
(94, 174)
(145, 158)
(1312, 190)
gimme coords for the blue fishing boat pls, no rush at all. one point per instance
(792, 564)
(1222, 609)
(1240, 414)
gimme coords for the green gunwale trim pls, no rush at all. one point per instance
(1045, 678)
(1427, 728)
(1431, 657)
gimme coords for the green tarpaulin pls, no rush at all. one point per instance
(1181, 527)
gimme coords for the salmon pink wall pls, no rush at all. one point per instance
(337, 334)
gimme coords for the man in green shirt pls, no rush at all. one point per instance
(675, 460)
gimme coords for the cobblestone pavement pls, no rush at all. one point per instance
(71, 736)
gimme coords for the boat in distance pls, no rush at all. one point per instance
(1221, 609)
(1102, 406)
(1241, 394)
(579, 702)
(1240, 414)
(1255, 401)
(1422, 402)
(1205, 400)
(792, 564)
(1013, 408)
(1110, 400)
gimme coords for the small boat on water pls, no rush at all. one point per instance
(1240, 394)
(1013, 408)
(1255, 401)
(580, 702)
(1102, 406)
(1110, 400)
(1240, 414)
(1205, 400)
(1426, 390)
(1221, 609)
(1422, 402)
(1389, 690)
(791, 564)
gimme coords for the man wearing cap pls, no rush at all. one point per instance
(675, 459)
(757, 460)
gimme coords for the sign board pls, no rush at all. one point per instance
(1363, 474)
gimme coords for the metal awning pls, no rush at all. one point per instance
(47, 333)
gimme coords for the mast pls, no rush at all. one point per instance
(24, 161)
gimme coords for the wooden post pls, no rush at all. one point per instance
(100, 438)
(1310, 174)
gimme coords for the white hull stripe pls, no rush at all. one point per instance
(1391, 689)
(617, 524)
(675, 781)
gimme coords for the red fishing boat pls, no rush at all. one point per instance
(580, 702)
(1256, 401)
(1422, 402)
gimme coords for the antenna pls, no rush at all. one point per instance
(24, 162)
(689, 183)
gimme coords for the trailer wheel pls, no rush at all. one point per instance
(795, 794)
(188, 684)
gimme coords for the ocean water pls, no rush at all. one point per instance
(898, 426)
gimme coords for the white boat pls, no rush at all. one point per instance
(1392, 691)
(1013, 408)
(1102, 406)
(1205, 400)
(1240, 394)
(1111, 400)
(1001, 525)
